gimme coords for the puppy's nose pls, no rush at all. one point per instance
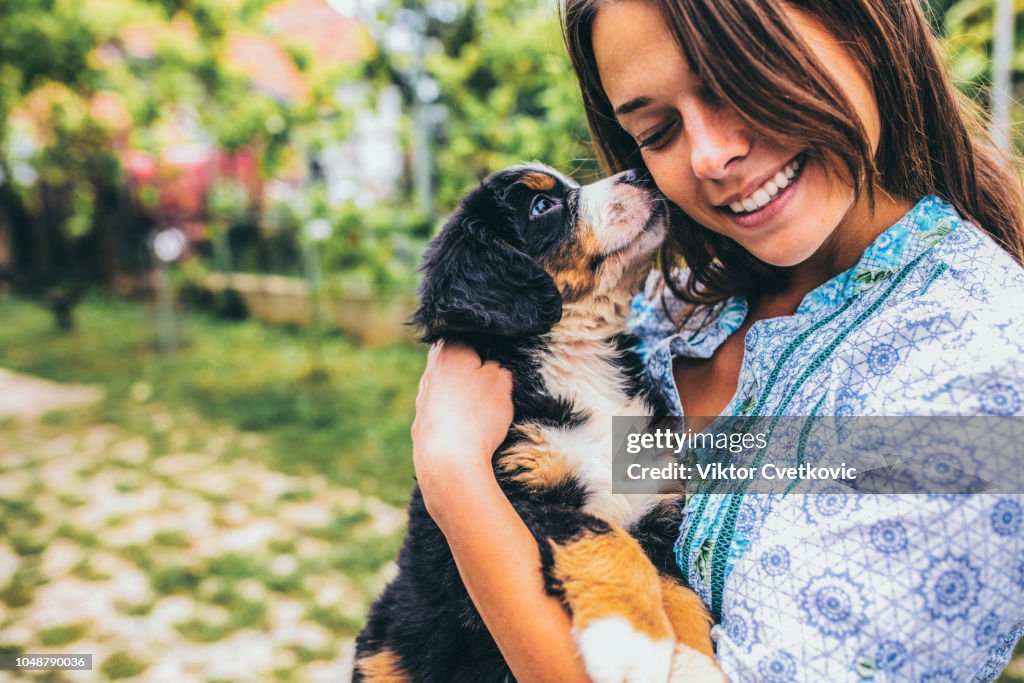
(635, 178)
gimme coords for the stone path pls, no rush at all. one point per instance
(187, 565)
(25, 397)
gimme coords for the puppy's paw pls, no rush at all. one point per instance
(690, 666)
(614, 652)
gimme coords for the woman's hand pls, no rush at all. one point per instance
(463, 412)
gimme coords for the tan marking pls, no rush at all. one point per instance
(538, 181)
(688, 615)
(570, 267)
(608, 575)
(382, 667)
(531, 461)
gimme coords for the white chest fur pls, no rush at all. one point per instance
(586, 374)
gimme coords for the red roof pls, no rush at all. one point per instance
(331, 38)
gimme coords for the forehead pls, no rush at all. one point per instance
(636, 53)
(536, 177)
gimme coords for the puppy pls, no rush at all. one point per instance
(537, 273)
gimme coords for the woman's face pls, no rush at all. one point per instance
(779, 205)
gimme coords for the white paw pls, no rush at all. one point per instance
(694, 667)
(614, 652)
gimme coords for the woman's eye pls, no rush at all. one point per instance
(540, 205)
(659, 138)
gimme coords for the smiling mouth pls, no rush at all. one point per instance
(769, 190)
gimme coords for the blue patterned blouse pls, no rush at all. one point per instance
(923, 588)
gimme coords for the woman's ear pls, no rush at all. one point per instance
(474, 281)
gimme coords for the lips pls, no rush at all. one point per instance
(757, 195)
(766, 213)
(760, 198)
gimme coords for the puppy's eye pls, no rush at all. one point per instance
(540, 206)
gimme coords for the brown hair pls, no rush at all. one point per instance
(747, 55)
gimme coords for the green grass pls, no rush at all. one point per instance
(61, 635)
(351, 424)
(122, 665)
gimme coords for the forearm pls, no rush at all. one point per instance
(530, 627)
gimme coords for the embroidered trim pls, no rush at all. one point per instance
(728, 529)
(685, 550)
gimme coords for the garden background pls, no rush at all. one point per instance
(211, 212)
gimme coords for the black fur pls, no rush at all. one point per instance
(479, 278)
(483, 285)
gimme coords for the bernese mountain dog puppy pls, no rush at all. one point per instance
(537, 273)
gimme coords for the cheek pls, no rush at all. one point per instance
(674, 181)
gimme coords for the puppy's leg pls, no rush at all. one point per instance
(601, 573)
(693, 660)
(614, 597)
(382, 666)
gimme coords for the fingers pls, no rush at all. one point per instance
(435, 349)
(456, 367)
(454, 358)
(453, 352)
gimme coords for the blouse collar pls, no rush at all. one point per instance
(915, 233)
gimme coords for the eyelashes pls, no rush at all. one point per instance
(658, 138)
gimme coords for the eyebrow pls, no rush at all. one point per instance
(632, 106)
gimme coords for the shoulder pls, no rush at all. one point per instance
(661, 320)
(977, 270)
(951, 341)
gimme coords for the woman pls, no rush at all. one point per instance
(823, 169)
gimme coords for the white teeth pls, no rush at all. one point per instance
(770, 189)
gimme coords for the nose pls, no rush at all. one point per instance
(635, 178)
(717, 139)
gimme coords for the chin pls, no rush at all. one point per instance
(783, 255)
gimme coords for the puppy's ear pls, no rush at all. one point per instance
(475, 281)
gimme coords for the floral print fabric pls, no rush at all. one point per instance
(927, 588)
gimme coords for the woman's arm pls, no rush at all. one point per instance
(463, 412)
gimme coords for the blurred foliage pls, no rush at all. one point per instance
(503, 90)
(506, 88)
(483, 84)
(969, 30)
(229, 202)
(80, 50)
(82, 83)
(968, 27)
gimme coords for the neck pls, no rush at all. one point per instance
(841, 251)
(583, 363)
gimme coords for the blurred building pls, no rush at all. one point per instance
(365, 167)
(176, 182)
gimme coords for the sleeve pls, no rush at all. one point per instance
(647, 320)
